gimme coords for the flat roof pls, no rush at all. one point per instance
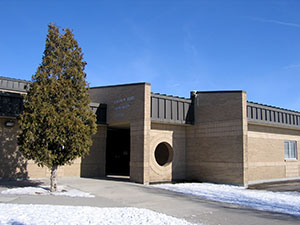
(19, 85)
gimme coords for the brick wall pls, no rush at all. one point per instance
(217, 143)
(175, 136)
(266, 152)
(13, 165)
(129, 106)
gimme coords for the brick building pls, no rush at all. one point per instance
(215, 136)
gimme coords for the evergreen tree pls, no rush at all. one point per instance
(57, 123)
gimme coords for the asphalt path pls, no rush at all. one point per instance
(122, 193)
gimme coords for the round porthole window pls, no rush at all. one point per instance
(163, 154)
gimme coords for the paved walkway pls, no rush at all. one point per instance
(117, 193)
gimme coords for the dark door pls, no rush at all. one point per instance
(118, 152)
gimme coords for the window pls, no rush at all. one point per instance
(290, 150)
(163, 154)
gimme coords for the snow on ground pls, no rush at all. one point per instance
(43, 190)
(50, 214)
(282, 202)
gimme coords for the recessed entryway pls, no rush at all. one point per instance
(118, 151)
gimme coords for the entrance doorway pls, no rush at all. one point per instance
(118, 152)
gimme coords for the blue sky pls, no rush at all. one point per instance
(176, 45)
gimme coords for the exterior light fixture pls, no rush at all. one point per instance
(9, 123)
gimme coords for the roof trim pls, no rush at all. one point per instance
(14, 79)
(273, 107)
(229, 91)
(121, 85)
(169, 96)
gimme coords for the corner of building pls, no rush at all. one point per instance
(216, 144)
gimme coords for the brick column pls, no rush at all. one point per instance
(139, 140)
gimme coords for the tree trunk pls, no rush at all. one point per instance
(53, 179)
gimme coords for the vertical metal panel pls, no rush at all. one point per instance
(4, 83)
(13, 84)
(267, 116)
(293, 119)
(286, 119)
(270, 116)
(161, 108)
(151, 108)
(9, 84)
(248, 111)
(254, 112)
(279, 117)
(186, 109)
(154, 108)
(164, 103)
(174, 110)
(168, 110)
(263, 114)
(16, 85)
(22, 86)
(258, 113)
(180, 111)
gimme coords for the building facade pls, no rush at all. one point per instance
(213, 136)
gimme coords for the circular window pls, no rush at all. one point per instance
(163, 154)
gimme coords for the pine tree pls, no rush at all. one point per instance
(57, 123)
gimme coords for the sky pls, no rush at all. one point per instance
(176, 45)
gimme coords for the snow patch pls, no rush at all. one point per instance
(281, 202)
(49, 214)
(43, 190)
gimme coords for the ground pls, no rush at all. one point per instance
(121, 193)
(283, 186)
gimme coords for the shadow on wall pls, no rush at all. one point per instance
(12, 163)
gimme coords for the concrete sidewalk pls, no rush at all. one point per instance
(121, 193)
(278, 186)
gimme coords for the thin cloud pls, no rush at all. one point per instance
(174, 85)
(278, 22)
(189, 41)
(292, 66)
